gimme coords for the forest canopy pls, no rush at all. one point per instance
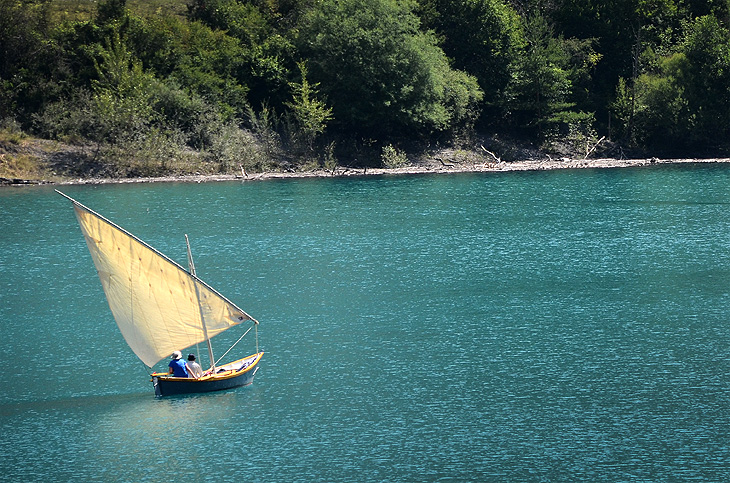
(239, 82)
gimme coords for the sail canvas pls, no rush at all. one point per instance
(159, 306)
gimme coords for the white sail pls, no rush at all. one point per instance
(158, 306)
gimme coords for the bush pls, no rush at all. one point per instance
(233, 147)
(264, 127)
(393, 157)
(149, 154)
(10, 131)
(330, 161)
(572, 133)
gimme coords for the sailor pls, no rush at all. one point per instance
(194, 369)
(177, 365)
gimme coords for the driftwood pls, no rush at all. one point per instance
(446, 165)
(588, 153)
(497, 159)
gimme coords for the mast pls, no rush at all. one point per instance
(197, 293)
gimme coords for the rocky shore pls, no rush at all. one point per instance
(435, 165)
(55, 163)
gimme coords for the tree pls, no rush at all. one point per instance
(311, 114)
(706, 78)
(122, 93)
(266, 53)
(482, 38)
(683, 100)
(658, 107)
(622, 30)
(382, 75)
(208, 63)
(26, 55)
(23, 26)
(540, 86)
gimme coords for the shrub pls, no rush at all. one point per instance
(393, 158)
(330, 162)
(311, 114)
(572, 133)
(264, 128)
(233, 147)
(10, 131)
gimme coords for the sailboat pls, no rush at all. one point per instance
(160, 307)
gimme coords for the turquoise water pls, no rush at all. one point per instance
(544, 326)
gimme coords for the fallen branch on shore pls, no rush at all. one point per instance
(497, 159)
(589, 151)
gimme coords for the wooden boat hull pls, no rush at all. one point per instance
(235, 374)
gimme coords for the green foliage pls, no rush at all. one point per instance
(541, 84)
(392, 157)
(381, 74)
(572, 134)
(482, 37)
(150, 90)
(660, 105)
(24, 26)
(329, 161)
(706, 77)
(68, 119)
(461, 99)
(121, 94)
(110, 10)
(622, 109)
(147, 154)
(311, 114)
(264, 125)
(241, 20)
(232, 147)
(265, 55)
(684, 100)
(541, 95)
(205, 62)
(26, 56)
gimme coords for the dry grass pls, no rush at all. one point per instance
(15, 162)
(21, 166)
(83, 10)
(32, 159)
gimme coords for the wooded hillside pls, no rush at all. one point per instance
(157, 87)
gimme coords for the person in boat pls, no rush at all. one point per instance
(177, 365)
(194, 369)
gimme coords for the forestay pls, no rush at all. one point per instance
(158, 305)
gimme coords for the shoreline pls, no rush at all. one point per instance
(431, 167)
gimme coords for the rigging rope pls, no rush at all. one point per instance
(234, 345)
(148, 369)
